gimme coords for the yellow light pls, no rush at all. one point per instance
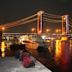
(64, 38)
(58, 30)
(52, 38)
(3, 49)
(48, 41)
(2, 46)
(47, 30)
(58, 50)
(3, 54)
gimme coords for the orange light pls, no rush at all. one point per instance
(47, 30)
(39, 32)
(3, 28)
(64, 38)
(33, 29)
(58, 30)
(3, 49)
(58, 50)
(63, 18)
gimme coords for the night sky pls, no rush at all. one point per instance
(12, 10)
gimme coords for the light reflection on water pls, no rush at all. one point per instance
(63, 54)
(3, 49)
(57, 55)
(61, 51)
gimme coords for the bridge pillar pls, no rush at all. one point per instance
(65, 24)
(39, 22)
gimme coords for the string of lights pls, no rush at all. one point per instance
(51, 15)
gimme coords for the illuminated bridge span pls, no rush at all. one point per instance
(53, 35)
(40, 17)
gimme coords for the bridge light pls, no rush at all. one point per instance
(33, 29)
(58, 30)
(40, 13)
(3, 28)
(63, 18)
(64, 38)
(3, 49)
(47, 30)
(43, 36)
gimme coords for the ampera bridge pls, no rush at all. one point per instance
(43, 23)
(55, 29)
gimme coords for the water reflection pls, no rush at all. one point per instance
(62, 54)
(3, 49)
(57, 55)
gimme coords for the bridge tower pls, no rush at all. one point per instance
(65, 24)
(40, 22)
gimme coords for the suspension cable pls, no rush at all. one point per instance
(19, 21)
(51, 15)
(17, 24)
(51, 20)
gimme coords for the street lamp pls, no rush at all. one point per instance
(58, 30)
(47, 30)
(33, 30)
(3, 28)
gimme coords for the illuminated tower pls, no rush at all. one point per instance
(65, 24)
(39, 23)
